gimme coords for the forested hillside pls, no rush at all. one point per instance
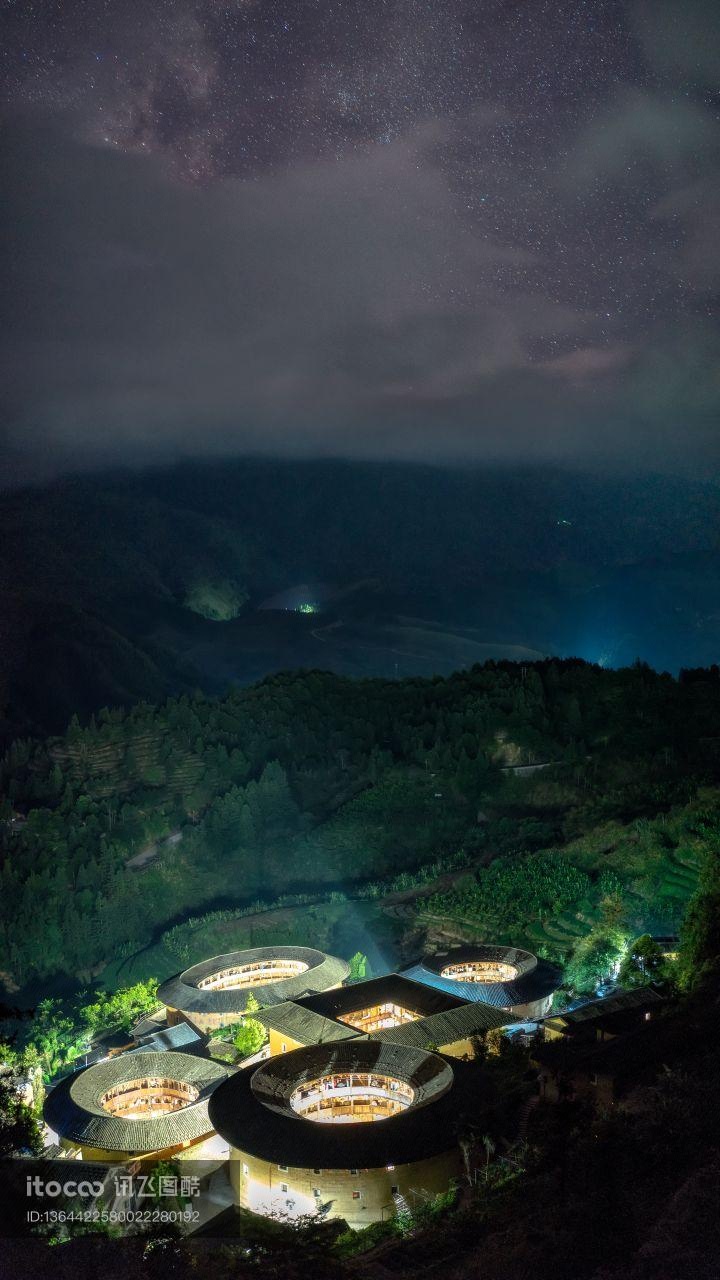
(126, 586)
(309, 781)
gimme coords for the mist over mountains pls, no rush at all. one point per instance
(126, 586)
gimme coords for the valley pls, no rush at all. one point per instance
(195, 578)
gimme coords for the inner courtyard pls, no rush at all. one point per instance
(480, 971)
(352, 1098)
(255, 974)
(142, 1099)
(379, 1017)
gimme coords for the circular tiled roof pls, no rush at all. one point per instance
(75, 1110)
(253, 1111)
(184, 992)
(533, 979)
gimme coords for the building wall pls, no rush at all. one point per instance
(214, 1021)
(102, 1156)
(205, 1022)
(458, 1049)
(360, 1198)
(209, 1022)
(533, 1010)
(556, 1032)
(281, 1042)
(278, 1039)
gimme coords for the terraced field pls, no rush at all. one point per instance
(107, 769)
(658, 865)
(676, 887)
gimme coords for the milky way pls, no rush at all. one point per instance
(438, 229)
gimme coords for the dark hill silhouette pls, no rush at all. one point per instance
(125, 586)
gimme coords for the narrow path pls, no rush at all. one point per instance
(151, 851)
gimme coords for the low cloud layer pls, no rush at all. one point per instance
(441, 293)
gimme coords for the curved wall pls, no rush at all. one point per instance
(360, 1198)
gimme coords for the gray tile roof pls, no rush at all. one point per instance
(445, 1028)
(73, 1109)
(391, 988)
(637, 998)
(252, 1110)
(182, 992)
(304, 1025)
(534, 980)
(315, 1020)
(182, 1036)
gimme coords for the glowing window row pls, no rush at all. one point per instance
(355, 1098)
(140, 1099)
(254, 974)
(480, 971)
(378, 1017)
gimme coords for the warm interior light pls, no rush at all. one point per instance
(480, 971)
(148, 1097)
(254, 974)
(351, 1098)
(379, 1017)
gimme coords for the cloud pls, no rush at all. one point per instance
(641, 135)
(680, 38)
(695, 210)
(589, 362)
(341, 308)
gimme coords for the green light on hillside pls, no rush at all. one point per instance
(306, 608)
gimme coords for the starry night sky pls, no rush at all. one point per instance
(483, 229)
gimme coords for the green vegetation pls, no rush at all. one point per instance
(126, 586)
(240, 1039)
(285, 922)
(350, 1243)
(121, 1009)
(577, 1168)
(308, 784)
(250, 1035)
(20, 1131)
(595, 959)
(700, 933)
(358, 967)
(63, 1031)
(583, 905)
(290, 919)
(512, 892)
(278, 812)
(644, 961)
